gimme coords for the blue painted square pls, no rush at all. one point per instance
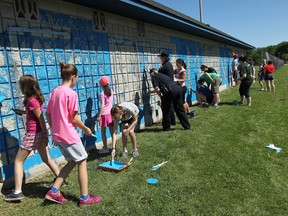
(90, 92)
(100, 58)
(26, 58)
(67, 45)
(84, 46)
(75, 35)
(107, 70)
(94, 70)
(40, 72)
(89, 25)
(78, 58)
(86, 59)
(93, 58)
(52, 72)
(69, 58)
(56, 19)
(44, 86)
(44, 16)
(92, 45)
(4, 77)
(88, 81)
(81, 83)
(80, 70)
(53, 84)
(95, 81)
(60, 57)
(87, 70)
(101, 70)
(82, 95)
(39, 58)
(106, 57)
(66, 21)
(75, 23)
(28, 70)
(50, 58)
(23, 42)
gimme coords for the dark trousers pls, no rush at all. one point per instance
(244, 88)
(172, 113)
(174, 98)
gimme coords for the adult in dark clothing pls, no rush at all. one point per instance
(171, 95)
(167, 69)
(246, 77)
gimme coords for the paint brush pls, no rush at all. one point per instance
(130, 161)
(158, 166)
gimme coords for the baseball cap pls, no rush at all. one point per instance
(104, 81)
(164, 54)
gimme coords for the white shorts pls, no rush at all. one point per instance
(73, 152)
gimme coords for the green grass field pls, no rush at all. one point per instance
(219, 168)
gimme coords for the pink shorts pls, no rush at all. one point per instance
(106, 121)
(31, 141)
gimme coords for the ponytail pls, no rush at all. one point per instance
(107, 91)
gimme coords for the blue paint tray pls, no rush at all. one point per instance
(116, 166)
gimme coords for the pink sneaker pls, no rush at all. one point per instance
(58, 198)
(93, 199)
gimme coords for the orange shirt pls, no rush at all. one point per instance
(270, 69)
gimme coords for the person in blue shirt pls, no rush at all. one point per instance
(203, 93)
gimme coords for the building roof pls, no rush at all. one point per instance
(152, 12)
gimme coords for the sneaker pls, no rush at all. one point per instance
(104, 151)
(14, 197)
(135, 153)
(93, 199)
(124, 154)
(215, 106)
(58, 198)
(49, 185)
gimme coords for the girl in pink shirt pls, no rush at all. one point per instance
(36, 137)
(104, 115)
(62, 116)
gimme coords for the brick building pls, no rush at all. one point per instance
(114, 38)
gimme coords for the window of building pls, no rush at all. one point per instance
(26, 9)
(141, 29)
(99, 21)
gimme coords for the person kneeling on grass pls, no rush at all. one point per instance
(203, 93)
(127, 113)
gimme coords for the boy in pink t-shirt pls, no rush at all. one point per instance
(104, 116)
(62, 116)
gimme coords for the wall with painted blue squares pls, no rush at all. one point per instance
(118, 53)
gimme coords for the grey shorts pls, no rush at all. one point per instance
(73, 152)
(215, 86)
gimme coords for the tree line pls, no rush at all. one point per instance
(280, 50)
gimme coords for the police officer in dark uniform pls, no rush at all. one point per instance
(167, 69)
(171, 95)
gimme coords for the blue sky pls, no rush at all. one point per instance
(257, 22)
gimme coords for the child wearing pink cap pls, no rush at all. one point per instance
(104, 116)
